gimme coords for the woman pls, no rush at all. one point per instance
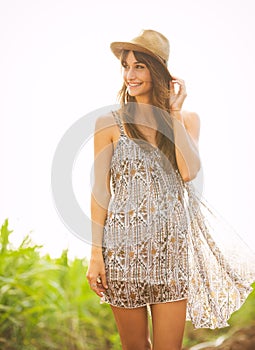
(151, 246)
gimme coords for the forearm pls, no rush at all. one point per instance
(99, 205)
(187, 155)
(96, 273)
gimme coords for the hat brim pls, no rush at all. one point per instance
(118, 46)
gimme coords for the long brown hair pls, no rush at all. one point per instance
(160, 100)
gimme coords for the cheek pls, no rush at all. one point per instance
(124, 76)
(147, 77)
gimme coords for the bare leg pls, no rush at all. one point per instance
(133, 328)
(168, 321)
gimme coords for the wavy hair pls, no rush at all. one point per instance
(160, 100)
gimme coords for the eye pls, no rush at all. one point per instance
(124, 65)
(139, 66)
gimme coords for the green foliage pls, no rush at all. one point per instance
(46, 303)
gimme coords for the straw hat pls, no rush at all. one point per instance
(150, 42)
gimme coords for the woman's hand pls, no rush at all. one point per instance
(177, 94)
(96, 275)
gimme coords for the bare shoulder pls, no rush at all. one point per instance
(191, 119)
(107, 126)
(192, 124)
(105, 121)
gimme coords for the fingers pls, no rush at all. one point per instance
(103, 281)
(98, 285)
(181, 85)
(97, 288)
(178, 81)
(171, 86)
(177, 94)
(174, 79)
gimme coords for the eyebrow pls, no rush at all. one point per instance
(136, 62)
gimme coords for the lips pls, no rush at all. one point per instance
(134, 84)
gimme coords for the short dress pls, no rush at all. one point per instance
(157, 244)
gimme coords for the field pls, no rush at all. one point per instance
(46, 303)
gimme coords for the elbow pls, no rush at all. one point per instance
(191, 174)
(100, 197)
(188, 177)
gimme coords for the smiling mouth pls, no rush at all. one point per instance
(134, 84)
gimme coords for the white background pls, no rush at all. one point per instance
(56, 66)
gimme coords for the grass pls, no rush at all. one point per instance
(46, 303)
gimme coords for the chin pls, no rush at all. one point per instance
(133, 94)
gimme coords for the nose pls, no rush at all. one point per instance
(130, 74)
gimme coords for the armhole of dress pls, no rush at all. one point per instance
(118, 122)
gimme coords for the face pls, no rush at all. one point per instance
(137, 78)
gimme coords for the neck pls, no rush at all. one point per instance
(144, 99)
(144, 115)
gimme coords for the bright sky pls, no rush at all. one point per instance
(56, 67)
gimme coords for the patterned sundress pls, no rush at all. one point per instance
(157, 243)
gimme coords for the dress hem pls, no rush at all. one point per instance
(143, 305)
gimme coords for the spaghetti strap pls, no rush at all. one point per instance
(119, 122)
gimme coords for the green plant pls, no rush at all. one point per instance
(46, 303)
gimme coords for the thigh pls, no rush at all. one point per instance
(168, 322)
(133, 327)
